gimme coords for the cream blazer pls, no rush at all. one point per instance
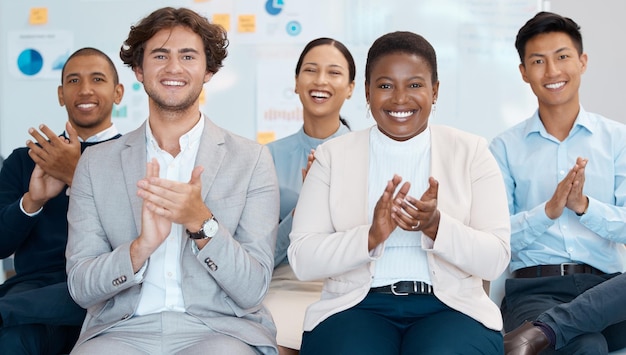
(331, 224)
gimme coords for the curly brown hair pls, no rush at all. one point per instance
(213, 36)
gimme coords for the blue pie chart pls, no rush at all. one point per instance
(30, 62)
(274, 7)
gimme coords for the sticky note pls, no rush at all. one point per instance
(246, 24)
(222, 20)
(202, 97)
(38, 16)
(265, 137)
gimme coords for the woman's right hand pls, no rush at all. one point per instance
(383, 222)
(310, 160)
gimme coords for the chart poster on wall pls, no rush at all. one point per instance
(38, 55)
(133, 109)
(264, 21)
(279, 111)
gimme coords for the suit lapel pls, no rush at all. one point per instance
(134, 169)
(355, 164)
(210, 154)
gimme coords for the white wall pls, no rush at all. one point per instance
(601, 21)
(480, 90)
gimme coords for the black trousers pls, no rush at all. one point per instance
(38, 318)
(527, 298)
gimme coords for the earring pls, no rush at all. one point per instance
(368, 113)
(434, 107)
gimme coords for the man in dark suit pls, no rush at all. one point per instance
(37, 314)
(172, 227)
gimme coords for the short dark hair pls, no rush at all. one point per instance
(401, 42)
(213, 36)
(332, 42)
(546, 22)
(87, 51)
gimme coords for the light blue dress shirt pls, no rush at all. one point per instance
(290, 157)
(533, 162)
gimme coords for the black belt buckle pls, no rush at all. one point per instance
(564, 268)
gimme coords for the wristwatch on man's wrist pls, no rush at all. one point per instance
(208, 230)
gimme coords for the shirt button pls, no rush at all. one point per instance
(169, 274)
(562, 172)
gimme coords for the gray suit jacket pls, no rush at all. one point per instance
(225, 283)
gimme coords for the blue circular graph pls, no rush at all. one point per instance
(30, 62)
(294, 28)
(274, 7)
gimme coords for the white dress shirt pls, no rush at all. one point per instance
(161, 289)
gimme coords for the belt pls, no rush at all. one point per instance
(403, 288)
(556, 270)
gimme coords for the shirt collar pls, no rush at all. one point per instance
(185, 141)
(419, 142)
(100, 136)
(583, 121)
(312, 142)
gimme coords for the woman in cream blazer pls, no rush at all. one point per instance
(331, 238)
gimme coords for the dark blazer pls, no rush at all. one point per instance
(37, 244)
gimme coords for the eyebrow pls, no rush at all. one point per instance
(74, 75)
(416, 77)
(317, 64)
(165, 50)
(562, 49)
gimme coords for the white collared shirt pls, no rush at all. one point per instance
(100, 136)
(161, 289)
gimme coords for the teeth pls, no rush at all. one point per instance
(555, 85)
(86, 105)
(173, 83)
(320, 94)
(400, 114)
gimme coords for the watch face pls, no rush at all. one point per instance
(210, 227)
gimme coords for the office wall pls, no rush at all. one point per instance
(481, 90)
(601, 23)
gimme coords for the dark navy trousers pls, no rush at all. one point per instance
(384, 324)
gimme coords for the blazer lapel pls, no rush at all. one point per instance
(134, 169)
(210, 154)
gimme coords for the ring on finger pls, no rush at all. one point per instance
(416, 226)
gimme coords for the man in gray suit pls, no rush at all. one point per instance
(172, 227)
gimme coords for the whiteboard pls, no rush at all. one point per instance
(481, 90)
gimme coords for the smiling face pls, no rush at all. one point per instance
(323, 83)
(553, 68)
(400, 93)
(88, 92)
(174, 69)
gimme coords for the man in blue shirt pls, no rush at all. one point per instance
(565, 171)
